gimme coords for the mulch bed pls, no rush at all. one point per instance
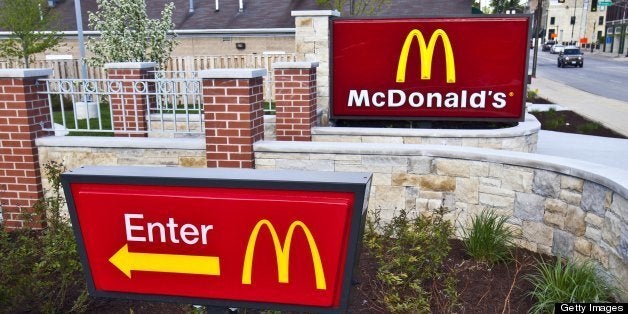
(482, 288)
(573, 123)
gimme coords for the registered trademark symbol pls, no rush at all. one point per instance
(511, 94)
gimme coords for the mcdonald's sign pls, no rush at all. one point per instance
(461, 68)
(238, 238)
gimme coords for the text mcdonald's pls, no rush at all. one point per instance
(456, 68)
(284, 240)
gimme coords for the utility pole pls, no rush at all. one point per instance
(537, 27)
(81, 40)
(573, 18)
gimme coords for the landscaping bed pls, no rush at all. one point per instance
(570, 122)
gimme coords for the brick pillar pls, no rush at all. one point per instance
(312, 44)
(23, 114)
(295, 93)
(234, 115)
(130, 99)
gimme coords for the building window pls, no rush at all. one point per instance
(552, 20)
(600, 21)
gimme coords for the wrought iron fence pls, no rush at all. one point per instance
(102, 106)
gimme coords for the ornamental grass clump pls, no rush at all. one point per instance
(568, 282)
(489, 239)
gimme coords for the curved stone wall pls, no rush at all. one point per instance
(522, 137)
(556, 206)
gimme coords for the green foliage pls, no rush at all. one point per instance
(40, 269)
(570, 282)
(554, 119)
(489, 239)
(410, 252)
(32, 26)
(356, 7)
(501, 6)
(532, 95)
(588, 128)
(128, 35)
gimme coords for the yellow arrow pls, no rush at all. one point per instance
(165, 263)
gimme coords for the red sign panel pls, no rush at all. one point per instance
(430, 68)
(235, 244)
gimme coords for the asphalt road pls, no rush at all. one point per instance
(600, 75)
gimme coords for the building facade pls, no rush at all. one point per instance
(617, 28)
(573, 22)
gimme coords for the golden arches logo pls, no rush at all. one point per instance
(282, 253)
(427, 53)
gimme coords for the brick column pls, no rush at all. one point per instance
(295, 95)
(234, 115)
(312, 44)
(23, 115)
(130, 98)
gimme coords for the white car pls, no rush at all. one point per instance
(558, 48)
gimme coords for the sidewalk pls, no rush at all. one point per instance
(611, 113)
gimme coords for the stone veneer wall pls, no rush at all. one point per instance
(78, 151)
(556, 206)
(522, 138)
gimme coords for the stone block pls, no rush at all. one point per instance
(529, 207)
(613, 229)
(619, 269)
(555, 206)
(546, 183)
(496, 191)
(554, 219)
(530, 246)
(619, 206)
(594, 198)
(437, 183)
(431, 195)
(571, 183)
(406, 179)
(478, 169)
(420, 165)
(467, 190)
(381, 178)
(496, 201)
(583, 246)
(517, 180)
(471, 142)
(412, 140)
(490, 182)
(574, 220)
(313, 165)
(562, 243)
(599, 254)
(570, 197)
(594, 220)
(593, 234)
(193, 162)
(452, 167)
(382, 160)
(388, 197)
(382, 139)
(495, 170)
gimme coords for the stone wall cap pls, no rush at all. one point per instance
(316, 13)
(121, 142)
(231, 73)
(130, 65)
(295, 65)
(22, 73)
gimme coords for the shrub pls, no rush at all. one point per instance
(489, 239)
(40, 270)
(567, 282)
(410, 251)
(588, 127)
(555, 119)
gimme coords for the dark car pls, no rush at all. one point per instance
(548, 45)
(571, 56)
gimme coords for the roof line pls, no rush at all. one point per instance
(221, 31)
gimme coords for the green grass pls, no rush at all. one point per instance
(489, 239)
(105, 115)
(570, 282)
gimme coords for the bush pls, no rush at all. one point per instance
(40, 270)
(489, 239)
(410, 252)
(567, 282)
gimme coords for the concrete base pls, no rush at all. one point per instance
(84, 109)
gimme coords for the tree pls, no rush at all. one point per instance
(32, 26)
(501, 6)
(128, 35)
(356, 7)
